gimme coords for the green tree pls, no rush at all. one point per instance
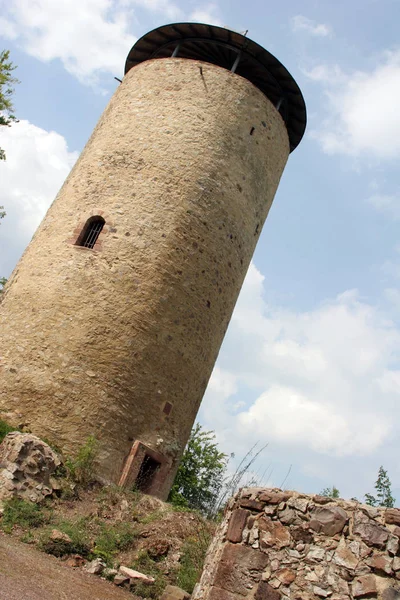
(330, 492)
(383, 489)
(200, 475)
(7, 82)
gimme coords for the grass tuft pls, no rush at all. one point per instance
(22, 513)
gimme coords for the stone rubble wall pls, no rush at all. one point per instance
(26, 467)
(281, 545)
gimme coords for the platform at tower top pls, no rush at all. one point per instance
(233, 51)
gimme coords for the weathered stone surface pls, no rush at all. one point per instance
(95, 567)
(266, 592)
(288, 516)
(315, 553)
(392, 516)
(364, 586)
(392, 545)
(273, 533)
(172, 592)
(26, 466)
(380, 562)
(344, 557)
(274, 497)
(217, 593)
(120, 579)
(300, 504)
(322, 499)
(391, 594)
(236, 525)
(285, 576)
(135, 575)
(251, 504)
(59, 536)
(328, 519)
(240, 568)
(302, 533)
(372, 534)
(321, 592)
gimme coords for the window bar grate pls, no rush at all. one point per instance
(92, 234)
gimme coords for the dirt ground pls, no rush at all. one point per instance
(27, 574)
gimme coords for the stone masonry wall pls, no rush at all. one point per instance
(278, 545)
(120, 341)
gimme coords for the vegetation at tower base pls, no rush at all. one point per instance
(383, 489)
(84, 521)
(200, 475)
(7, 82)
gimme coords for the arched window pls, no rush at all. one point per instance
(90, 232)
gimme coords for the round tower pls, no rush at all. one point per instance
(112, 320)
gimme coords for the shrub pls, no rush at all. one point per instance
(145, 564)
(20, 512)
(5, 428)
(192, 560)
(78, 533)
(80, 469)
(112, 539)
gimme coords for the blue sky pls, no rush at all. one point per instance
(310, 363)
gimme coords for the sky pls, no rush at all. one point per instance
(310, 364)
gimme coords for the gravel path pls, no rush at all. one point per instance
(27, 574)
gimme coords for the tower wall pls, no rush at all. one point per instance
(183, 166)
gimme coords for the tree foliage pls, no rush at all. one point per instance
(7, 82)
(330, 492)
(383, 489)
(200, 475)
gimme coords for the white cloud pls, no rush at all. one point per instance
(37, 163)
(301, 23)
(165, 7)
(90, 37)
(362, 114)
(319, 385)
(292, 418)
(207, 13)
(387, 204)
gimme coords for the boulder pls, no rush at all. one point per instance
(328, 519)
(135, 575)
(26, 466)
(172, 592)
(95, 567)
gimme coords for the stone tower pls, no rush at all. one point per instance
(112, 320)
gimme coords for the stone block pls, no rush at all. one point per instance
(240, 568)
(236, 525)
(372, 534)
(173, 592)
(364, 586)
(273, 534)
(392, 516)
(266, 592)
(328, 519)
